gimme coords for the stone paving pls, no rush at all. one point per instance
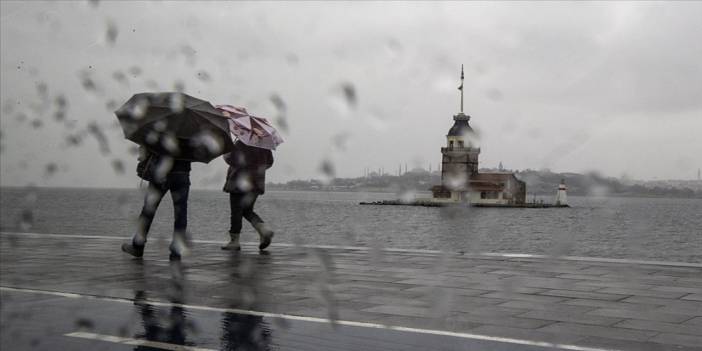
(600, 304)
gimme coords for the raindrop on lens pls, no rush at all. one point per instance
(170, 143)
(26, 219)
(176, 102)
(138, 110)
(179, 86)
(203, 76)
(84, 324)
(134, 71)
(327, 169)
(160, 126)
(112, 32)
(118, 166)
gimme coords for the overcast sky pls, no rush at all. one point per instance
(613, 87)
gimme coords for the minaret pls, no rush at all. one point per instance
(561, 199)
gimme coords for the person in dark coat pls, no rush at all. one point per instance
(164, 174)
(246, 180)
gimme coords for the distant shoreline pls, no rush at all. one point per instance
(393, 192)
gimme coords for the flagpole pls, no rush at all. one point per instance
(461, 88)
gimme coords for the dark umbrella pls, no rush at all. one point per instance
(176, 125)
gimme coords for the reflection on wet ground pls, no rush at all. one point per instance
(63, 293)
(35, 322)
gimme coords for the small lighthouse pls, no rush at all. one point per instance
(561, 199)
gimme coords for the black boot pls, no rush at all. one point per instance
(265, 234)
(134, 250)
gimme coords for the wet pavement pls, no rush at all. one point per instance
(63, 292)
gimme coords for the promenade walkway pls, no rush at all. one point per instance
(81, 292)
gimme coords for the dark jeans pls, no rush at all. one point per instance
(179, 186)
(242, 205)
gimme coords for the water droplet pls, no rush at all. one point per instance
(327, 169)
(135, 71)
(456, 181)
(26, 219)
(88, 83)
(344, 98)
(203, 76)
(164, 166)
(111, 33)
(279, 103)
(60, 116)
(74, 140)
(51, 168)
(179, 86)
(209, 141)
(189, 53)
(139, 108)
(37, 123)
(120, 77)
(151, 138)
(111, 105)
(84, 324)
(340, 140)
(99, 135)
(42, 89)
(494, 94)
(61, 102)
(243, 182)
(176, 102)
(118, 166)
(170, 143)
(408, 196)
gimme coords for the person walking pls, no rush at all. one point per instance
(246, 180)
(164, 174)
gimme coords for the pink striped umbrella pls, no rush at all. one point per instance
(250, 130)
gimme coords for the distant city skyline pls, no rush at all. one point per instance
(572, 87)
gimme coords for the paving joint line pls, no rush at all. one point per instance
(484, 255)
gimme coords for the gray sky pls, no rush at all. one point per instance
(613, 87)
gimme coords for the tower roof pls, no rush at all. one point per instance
(460, 126)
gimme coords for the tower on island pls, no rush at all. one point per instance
(461, 180)
(561, 197)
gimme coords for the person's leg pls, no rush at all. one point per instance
(152, 198)
(235, 205)
(264, 232)
(179, 185)
(154, 194)
(247, 203)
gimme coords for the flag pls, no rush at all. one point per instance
(461, 87)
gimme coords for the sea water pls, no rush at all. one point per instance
(634, 228)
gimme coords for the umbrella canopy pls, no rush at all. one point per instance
(250, 130)
(176, 125)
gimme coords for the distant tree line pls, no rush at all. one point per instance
(539, 182)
